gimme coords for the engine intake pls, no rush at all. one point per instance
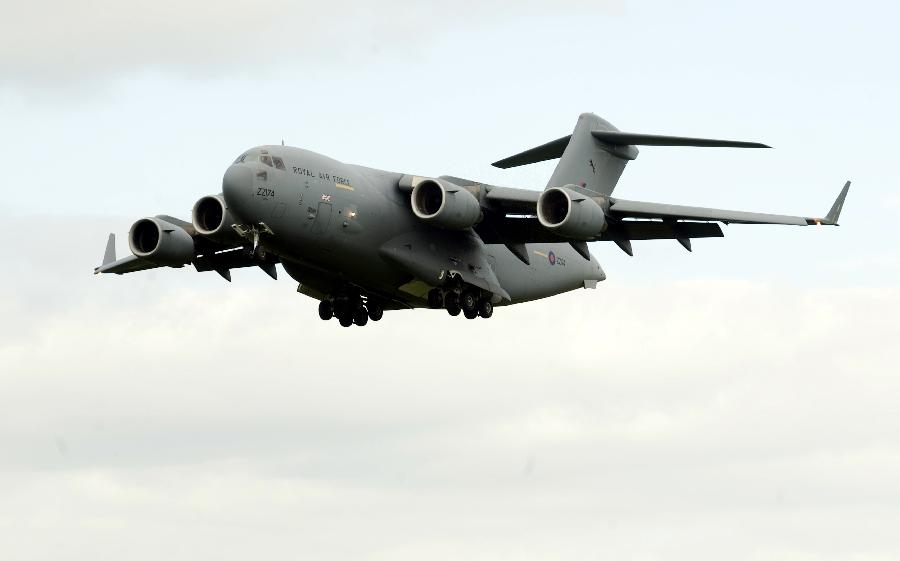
(162, 243)
(445, 205)
(211, 219)
(570, 214)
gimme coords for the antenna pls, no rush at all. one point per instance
(282, 142)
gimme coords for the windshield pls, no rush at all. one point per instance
(247, 158)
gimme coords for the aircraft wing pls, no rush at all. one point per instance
(208, 256)
(129, 264)
(622, 208)
(513, 220)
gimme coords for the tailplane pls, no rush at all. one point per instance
(595, 154)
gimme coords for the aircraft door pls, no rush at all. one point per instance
(322, 219)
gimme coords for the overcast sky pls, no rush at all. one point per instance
(739, 402)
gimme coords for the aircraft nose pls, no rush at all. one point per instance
(236, 187)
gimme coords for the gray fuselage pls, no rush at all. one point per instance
(335, 226)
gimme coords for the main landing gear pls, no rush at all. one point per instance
(466, 300)
(351, 310)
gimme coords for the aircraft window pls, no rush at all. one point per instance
(278, 163)
(266, 160)
(240, 159)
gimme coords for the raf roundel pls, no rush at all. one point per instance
(552, 258)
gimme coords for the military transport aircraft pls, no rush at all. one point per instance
(362, 241)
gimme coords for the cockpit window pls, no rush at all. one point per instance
(247, 158)
(279, 164)
(266, 160)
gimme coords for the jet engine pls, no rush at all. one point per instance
(570, 214)
(161, 242)
(211, 219)
(445, 205)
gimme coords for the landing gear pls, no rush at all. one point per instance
(346, 319)
(467, 301)
(376, 310)
(435, 299)
(451, 303)
(351, 310)
(485, 308)
(326, 310)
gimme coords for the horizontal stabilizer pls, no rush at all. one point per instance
(550, 151)
(626, 138)
(555, 148)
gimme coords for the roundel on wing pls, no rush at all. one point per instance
(552, 258)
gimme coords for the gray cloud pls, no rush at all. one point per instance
(51, 41)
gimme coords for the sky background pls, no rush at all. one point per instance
(737, 402)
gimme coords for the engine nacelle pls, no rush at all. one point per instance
(570, 214)
(162, 243)
(211, 219)
(445, 205)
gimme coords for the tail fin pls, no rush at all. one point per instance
(584, 160)
(590, 163)
(595, 154)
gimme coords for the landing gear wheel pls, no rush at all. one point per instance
(326, 310)
(468, 302)
(346, 319)
(435, 299)
(451, 302)
(485, 308)
(375, 310)
(470, 314)
(361, 317)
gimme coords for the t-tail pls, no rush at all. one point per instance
(594, 156)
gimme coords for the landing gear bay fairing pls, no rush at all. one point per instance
(362, 241)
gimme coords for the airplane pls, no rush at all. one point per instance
(362, 240)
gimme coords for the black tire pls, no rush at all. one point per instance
(376, 311)
(485, 308)
(468, 301)
(453, 308)
(470, 314)
(361, 317)
(435, 299)
(346, 319)
(326, 310)
(451, 300)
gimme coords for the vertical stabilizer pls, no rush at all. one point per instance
(589, 162)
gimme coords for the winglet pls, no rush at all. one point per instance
(110, 254)
(831, 219)
(835, 212)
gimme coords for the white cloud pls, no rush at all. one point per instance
(185, 418)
